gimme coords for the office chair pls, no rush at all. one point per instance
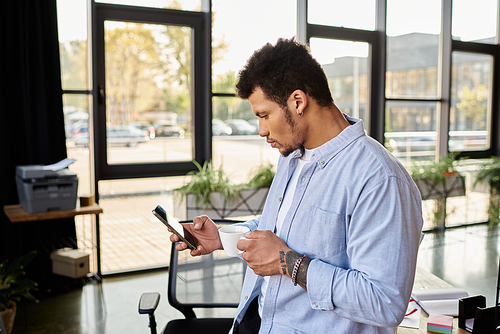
(207, 283)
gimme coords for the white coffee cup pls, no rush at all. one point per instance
(230, 235)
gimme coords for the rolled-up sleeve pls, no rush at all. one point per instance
(319, 285)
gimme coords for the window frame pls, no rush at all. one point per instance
(376, 58)
(491, 50)
(202, 112)
(377, 72)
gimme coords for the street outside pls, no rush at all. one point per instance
(236, 154)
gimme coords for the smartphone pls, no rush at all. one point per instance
(175, 227)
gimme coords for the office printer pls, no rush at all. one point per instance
(47, 188)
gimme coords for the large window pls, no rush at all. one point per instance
(75, 77)
(411, 129)
(345, 64)
(412, 79)
(339, 13)
(420, 74)
(238, 29)
(412, 48)
(421, 60)
(149, 111)
(475, 21)
(344, 41)
(470, 111)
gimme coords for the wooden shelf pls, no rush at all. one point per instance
(17, 214)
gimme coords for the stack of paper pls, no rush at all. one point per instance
(439, 301)
(412, 315)
(439, 323)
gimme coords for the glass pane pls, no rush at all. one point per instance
(340, 13)
(76, 122)
(194, 5)
(131, 237)
(148, 92)
(235, 129)
(241, 27)
(73, 43)
(412, 48)
(470, 111)
(345, 64)
(474, 20)
(411, 130)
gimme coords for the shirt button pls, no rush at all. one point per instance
(279, 199)
(246, 297)
(322, 162)
(315, 304)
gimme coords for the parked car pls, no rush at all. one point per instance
(240, 127)
(219, 128)
(80, 130)
(72, 129)
(148, 128)
(255, 123)
(127, 135)
(169, 131)
(117, 135)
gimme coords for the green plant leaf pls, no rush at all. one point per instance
(207, 180)
(13, 283)
(261, 177)
(435, 172)
(489, 172)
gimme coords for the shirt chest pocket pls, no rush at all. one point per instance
(325, 236)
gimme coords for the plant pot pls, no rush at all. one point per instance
(451, 186)
(481, 187)
(8, 317)
(249, 202)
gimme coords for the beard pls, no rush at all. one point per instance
(286, 149)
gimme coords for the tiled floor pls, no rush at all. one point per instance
(465, 257)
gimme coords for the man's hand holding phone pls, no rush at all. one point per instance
(207, 233)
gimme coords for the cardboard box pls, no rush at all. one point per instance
(70, 262)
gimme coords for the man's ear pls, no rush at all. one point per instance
(298, 101)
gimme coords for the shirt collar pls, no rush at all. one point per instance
(326, 152)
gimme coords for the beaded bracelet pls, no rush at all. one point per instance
(296, 268)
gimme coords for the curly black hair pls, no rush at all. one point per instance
(281, 69)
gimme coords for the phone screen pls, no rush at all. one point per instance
(176, 227)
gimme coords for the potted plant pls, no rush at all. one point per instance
(210, 192)
(489, 173)
(14, 286)
(438, 181)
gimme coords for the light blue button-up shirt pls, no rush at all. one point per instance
(357, 215)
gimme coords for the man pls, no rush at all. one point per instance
(335, 248)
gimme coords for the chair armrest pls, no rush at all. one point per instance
(149, 302)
